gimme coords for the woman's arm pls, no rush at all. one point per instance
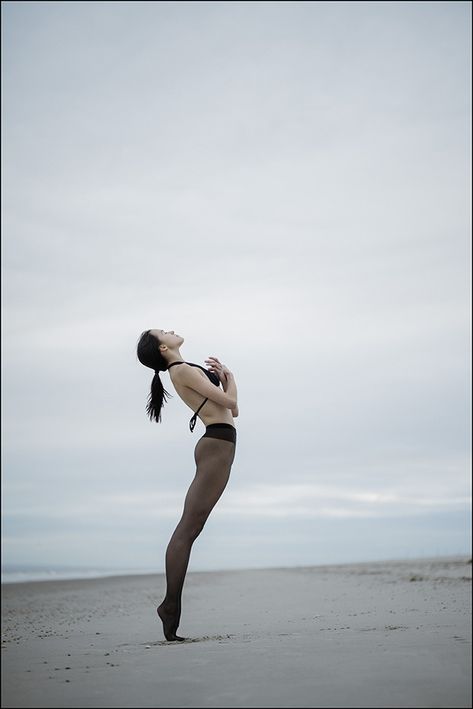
(227, 380)
(229, 386)
(226, 383)
(194, 380)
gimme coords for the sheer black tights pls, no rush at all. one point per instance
(213, 458)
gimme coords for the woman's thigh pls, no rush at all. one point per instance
(214, 458)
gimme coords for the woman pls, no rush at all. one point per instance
(213, 454)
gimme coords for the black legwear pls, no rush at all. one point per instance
(213, 455)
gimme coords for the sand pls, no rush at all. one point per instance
(391, 634)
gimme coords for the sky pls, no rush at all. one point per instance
(287, 186)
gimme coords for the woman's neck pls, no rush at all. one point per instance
(174, 356)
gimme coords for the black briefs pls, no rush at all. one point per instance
(221, 430)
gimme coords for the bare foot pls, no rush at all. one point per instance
(169, 623)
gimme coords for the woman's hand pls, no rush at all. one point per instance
(219, 369)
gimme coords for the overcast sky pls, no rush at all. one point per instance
(284, 184)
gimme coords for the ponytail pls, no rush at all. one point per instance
(156, 398)
(149, 354)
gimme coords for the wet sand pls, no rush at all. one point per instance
(385, 634)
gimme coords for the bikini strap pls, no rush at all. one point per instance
(172, 365)
(193, 420)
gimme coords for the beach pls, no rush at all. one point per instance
(375, 634)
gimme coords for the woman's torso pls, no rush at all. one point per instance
(210, 412)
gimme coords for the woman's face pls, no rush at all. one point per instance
(168, 338)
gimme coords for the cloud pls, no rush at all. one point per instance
(287, 186)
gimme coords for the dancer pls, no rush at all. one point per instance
(213, 454)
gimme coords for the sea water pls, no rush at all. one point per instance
(19, 574)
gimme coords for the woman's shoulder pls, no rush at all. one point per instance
(184, 369)
(190, 368)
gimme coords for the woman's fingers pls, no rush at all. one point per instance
(215, 366)
(215, 363)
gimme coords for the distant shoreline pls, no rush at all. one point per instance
(18, 575)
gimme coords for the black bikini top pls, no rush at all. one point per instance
(213, 378)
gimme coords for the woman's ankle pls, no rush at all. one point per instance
(169, 606)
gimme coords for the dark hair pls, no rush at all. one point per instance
(149, 354)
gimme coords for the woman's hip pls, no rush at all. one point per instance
(216, 448)
(224, 431)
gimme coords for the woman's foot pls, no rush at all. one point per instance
(170, 622)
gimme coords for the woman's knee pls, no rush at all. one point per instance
(192, 527)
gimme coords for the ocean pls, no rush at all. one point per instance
(19, 574)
